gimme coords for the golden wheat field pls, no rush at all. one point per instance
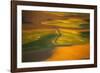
(55, 36)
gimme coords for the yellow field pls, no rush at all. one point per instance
(66, 30)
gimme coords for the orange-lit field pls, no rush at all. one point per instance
(55, 36)
(71, 53)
